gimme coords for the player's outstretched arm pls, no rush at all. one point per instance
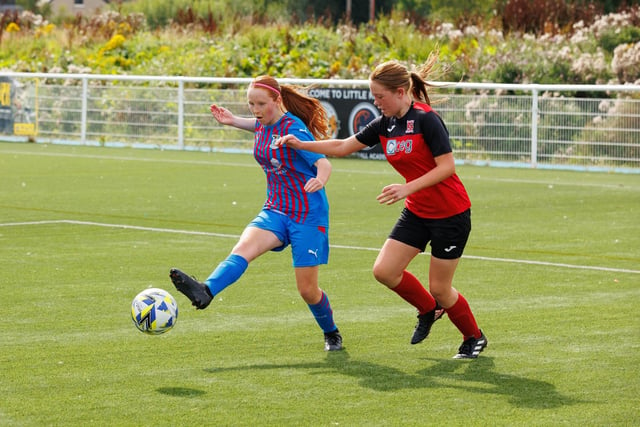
(330, 147)
(226, 117)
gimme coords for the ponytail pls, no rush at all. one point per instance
(393, 75)
(308, 109)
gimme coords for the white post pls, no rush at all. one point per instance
(181, 114)
(83, 122)
(534, 127)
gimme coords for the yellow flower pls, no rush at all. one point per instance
(335, 67)
(124, 27)
(12, 28)
(48, 28)
(115, 42)
(44, 30)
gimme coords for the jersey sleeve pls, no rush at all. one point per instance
(303, 134)
(436, 134)
(370, 135)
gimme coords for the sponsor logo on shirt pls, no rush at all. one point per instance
(277, 166)
(391, 147)
(396, 146)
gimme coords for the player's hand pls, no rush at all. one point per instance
(222, 115)
(313, 185)
(288, 140)
(391, 194)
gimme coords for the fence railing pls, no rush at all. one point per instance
(591, 127)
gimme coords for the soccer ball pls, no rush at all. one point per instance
(154, 311)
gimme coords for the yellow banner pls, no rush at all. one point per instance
(5, 94)
(27, 129)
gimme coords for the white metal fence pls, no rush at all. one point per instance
(560, 126)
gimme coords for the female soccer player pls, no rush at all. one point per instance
(436, 207)
(296, 211)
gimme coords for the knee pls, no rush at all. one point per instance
(384, 276)
(310, 295)
(437, 293)
(445, 295)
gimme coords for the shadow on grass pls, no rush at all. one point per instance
(479, 376)
(180, 391)
(475, 376)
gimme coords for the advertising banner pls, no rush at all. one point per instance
(349, 110)
(17, 114)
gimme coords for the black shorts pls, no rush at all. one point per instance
(448, 236)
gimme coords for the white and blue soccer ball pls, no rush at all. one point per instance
(154, 311)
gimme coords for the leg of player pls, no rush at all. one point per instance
(390, 270)
(441, 273)
(318, 302)
(253, 243)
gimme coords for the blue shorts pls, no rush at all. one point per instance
(309, 243)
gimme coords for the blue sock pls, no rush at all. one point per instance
(226, 273)
(324, 314)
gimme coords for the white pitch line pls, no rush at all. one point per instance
(154, 229)
(553, 264)
(12, 224)
(357, 248)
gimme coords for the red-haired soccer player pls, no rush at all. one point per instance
(296, 211)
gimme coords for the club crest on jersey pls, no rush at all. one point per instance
(273, 145)
(409, 126)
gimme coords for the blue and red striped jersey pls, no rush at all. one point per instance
(288, 170)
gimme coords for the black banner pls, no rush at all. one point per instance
(349, 110)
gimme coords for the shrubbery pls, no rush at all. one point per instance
(195, 40)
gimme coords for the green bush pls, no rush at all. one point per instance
(614, 37)
(218, 38)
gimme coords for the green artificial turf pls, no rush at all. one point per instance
(551, 271)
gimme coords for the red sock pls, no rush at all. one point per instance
(412, 291)
(460, 315)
